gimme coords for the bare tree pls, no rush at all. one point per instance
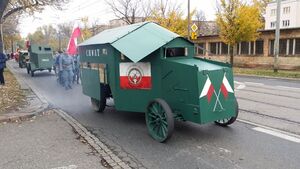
(199, 17)
(129, 10)
(10, 7)
(64, 33)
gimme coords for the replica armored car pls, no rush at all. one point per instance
(149, 69)
(40, 58)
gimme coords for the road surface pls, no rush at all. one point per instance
(251, 143)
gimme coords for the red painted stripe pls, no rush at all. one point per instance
(146, 83)
(210, 92)
(224, 91)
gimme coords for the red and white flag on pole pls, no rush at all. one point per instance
(225, 87)
(135, 75)
(207, 90)
(72, 46)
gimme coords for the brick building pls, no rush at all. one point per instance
(259, 53)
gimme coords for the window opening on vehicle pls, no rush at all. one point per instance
(47, 49)
(176, 52)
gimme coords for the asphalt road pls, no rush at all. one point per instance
(242, 145)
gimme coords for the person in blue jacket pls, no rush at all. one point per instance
(66, 64)
(2, 66)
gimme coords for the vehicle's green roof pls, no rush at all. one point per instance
(134, 41)
(201, 64)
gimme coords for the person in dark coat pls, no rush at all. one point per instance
(2, 66)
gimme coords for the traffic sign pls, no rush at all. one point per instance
(194, 36)
(194, 27)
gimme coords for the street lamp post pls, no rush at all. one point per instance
(59, 40)
(277, 36)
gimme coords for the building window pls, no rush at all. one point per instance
(286, 10)
(273, 24)
(224, 50)
(213, 48)
(259, 47)
(273, 12)
(245, 48)
(286, 23)
(282, 47)
(201, 49)
(297, 45)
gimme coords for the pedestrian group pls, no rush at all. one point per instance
(67, 69)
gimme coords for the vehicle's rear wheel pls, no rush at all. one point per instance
(98, 106)
(159, 120)
(228, 121)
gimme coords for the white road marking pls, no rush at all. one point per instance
(66, 167)
(240, 85)
(277, 134)
(269, 128)
(286, 87)
(255, 84)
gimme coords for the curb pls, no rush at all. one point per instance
(106, 154)
(21, 117)
(269, 77)
(24, 86)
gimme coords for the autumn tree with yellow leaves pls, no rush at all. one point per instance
(238, 22)
(170, 16)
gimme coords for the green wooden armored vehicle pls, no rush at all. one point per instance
(146, 68)
(40, 59)
(23, 58)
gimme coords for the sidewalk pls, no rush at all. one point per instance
(44, 142)
(49, 141)
(34, 103)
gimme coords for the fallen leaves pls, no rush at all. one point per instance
(11, 96)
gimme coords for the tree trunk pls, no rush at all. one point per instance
(3, 5)
(231, 54)
(1, 38)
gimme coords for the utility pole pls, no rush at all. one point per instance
(277, 36)
(189, 18)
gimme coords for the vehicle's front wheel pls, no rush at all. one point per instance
(229, 121)
(159, 120)
(98, 106)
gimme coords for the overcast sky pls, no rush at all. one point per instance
(96, 10)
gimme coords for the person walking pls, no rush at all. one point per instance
(67, 65)
(76, 69)
(57, 67)
(2, 66)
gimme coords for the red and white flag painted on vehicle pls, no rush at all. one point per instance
(135, 75)
(225, 87)
(72, 46)
(207, 90)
